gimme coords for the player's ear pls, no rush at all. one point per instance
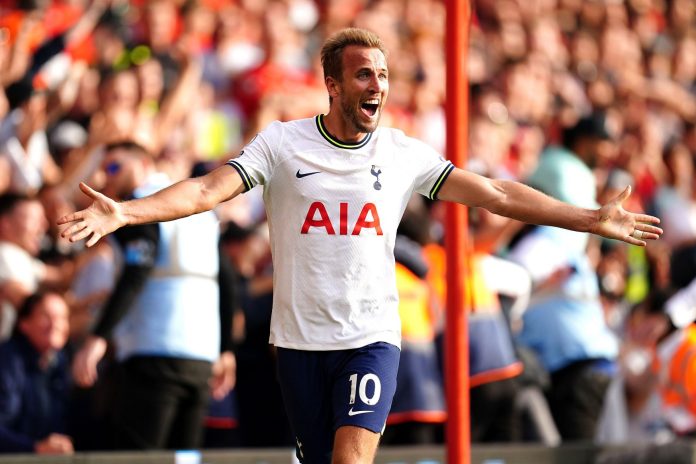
(333, 86)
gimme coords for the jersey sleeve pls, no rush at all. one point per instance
(256, 160)
(433, 169)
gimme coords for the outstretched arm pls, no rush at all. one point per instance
(521, 202)
(190, 196)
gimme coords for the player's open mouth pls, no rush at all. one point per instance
(370, 107)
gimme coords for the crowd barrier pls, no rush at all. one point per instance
(675, 453)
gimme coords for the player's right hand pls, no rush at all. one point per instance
(84, 367)
(100, 218)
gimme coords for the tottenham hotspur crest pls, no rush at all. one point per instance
(376, 172)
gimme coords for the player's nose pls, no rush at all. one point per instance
(375, 84)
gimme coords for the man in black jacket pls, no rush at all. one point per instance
(34, 379)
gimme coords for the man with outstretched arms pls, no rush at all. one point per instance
(335, 187)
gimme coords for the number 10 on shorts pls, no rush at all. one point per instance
(360, 388)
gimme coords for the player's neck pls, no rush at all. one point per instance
(340, 129)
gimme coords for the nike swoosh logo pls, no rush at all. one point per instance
(355, 413)
(300, 175)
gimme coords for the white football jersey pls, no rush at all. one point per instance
(333, 209)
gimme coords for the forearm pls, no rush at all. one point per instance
(515, 200)
(85, 25)
(179, 200)
(176, 104)
(518, 201)
(521, 202)
(182, 199)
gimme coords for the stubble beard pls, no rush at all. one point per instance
(350, 114)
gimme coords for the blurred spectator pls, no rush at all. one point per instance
(674, 202)
(22, 228)
(495, 366)
(221, 426)
(262, 418)
(112, 35)
(90, 422)
(34, 379)
(498, 292)
(633, 411)
(25, 162)
(677, 363)
(92, 285)
(565, 323)
(665, 372)
(418, 410)
(170, 356)
(160, 25)
(271, 87)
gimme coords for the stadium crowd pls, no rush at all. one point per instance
(571, 337)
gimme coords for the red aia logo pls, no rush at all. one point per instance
(317, 216)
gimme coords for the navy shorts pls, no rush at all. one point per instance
(325, 390)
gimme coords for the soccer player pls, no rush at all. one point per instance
(335, 187)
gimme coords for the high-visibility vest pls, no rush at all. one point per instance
(481, 297)
(491, 352)
(435, 257)
(414, 306)
(419, 393)
(679, 383)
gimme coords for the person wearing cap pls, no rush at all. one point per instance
(564, 324)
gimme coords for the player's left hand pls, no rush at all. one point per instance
(224, 375)
(617, 223)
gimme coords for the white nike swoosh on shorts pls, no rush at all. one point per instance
(355, 413)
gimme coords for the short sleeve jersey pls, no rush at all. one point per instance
(333, 209)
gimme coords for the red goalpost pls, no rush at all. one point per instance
(456, 238)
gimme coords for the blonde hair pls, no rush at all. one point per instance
(332, 51)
